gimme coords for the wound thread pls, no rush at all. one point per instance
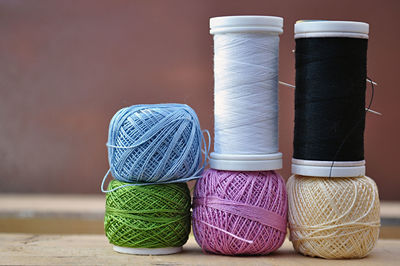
(238, 213)
(246, 93)
(159, 143)
(333, 218)
(151, 216)
(246, 55)
(330, 99)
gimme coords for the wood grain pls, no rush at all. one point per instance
(30, 249)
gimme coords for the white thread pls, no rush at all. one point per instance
(246, 93)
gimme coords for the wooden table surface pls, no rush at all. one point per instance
(30, 249)
(68, 230)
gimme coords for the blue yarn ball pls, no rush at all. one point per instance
(155, 143)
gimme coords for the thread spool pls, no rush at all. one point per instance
(328, 160)
(331, 58)
(333, 218)
(239, 212)
(246, 93)
(147, 220)
(158, 143)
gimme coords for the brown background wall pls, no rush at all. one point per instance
(67, 66)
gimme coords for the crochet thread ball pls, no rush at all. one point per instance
(155, 143)
(240, 212)
(333, 218)
(152, 216)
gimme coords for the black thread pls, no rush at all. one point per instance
(330, 99)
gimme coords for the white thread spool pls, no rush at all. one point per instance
(324, 29)
(246, 51)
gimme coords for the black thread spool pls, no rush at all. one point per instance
(333, 207)
(331, 67)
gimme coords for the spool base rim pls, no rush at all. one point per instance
(147, 251)
(246, 162)
(325, 168)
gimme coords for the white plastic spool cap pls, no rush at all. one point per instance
(229, 24)
(234, 24)
(148, 251)
(327, 28)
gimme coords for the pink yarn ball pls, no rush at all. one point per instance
(238, 213)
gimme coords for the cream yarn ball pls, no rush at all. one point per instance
(333, 217)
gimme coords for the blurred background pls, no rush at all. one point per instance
(67, 66)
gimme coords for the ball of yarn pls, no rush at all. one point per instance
(152, 216)
(335, 217)
(240, 212)
(155, 143)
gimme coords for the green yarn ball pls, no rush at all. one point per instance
(150, 216)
